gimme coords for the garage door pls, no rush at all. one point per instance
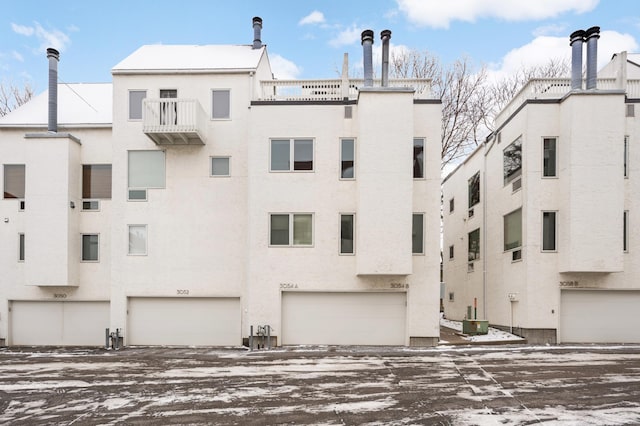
(599, 316)
(344, 318)
(184, 321)
(36, 323)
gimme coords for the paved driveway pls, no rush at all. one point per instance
(470, 385)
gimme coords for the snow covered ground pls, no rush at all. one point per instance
(494, 335)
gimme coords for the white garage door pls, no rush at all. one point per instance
(344, 318)
(42, 323)
(599, 316)
(184, 321)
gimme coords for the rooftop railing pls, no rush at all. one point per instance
(333, 90)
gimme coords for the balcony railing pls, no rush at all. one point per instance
(174, 121)
(333, 90)
(556, 88)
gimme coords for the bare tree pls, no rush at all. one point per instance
(12, 96)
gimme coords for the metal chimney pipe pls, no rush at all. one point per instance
(367, 56)
(385, 35)
(257, 30)
(591, 36)
(54, 56)
(576, 37)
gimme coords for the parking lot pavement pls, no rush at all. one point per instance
(514, 385)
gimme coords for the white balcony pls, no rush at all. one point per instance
(174, 121)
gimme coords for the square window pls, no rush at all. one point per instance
(96, 181)
(220, 166)
(138, 239)
(291, 155)
(136, 98)
(90, 247)
(146, 169)
(220, 104)
(346, 233)
(14, 177)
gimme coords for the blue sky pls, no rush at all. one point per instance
(305, 38)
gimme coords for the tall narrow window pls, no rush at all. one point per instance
(548, 231)
(452, 205)
(168, 107)
(626, 156)
(451, 252)
(137, 239)
(512, 160)
(346, 234)
(220, 104)
(96, 181)
(135, 103)
(474, 245)
(625, 231)
(418, 234)
(14, 176)
(513, 230)
(90, 247)
(21, 247)
(549, 155)
(418, 158)
(291, 155)
(474, 189)
(347, 158)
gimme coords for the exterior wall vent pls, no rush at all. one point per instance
(348, 111)
(21, 206)
(516, 255)
(471, 213)
(631, 110)
(517, 184)
(137, 195)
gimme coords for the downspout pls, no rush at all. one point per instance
(484, 232)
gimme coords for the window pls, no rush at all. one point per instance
(347, 159)
(220, 104)
(137, 239)
(96, 181)
(417, 233)
(549, 155)
(291, 229)
(625, 231)
(220, 166)
(474, 245)
(474, 189)
(21, 247)
(146, 170)
(90, 245)
(418, 158)
(548, 231)
(346, 233)
(512, 160)
(626, 156)
(14, 175)
(513, 230)
(168, 107)
(451, 205)
(286, 153)
(451, 252)
(135, 103)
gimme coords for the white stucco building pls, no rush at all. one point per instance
(538, 221)
(196, 196)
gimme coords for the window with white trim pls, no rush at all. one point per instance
(418, 158)
(96, 181)
(220, 104)
(90, 247)
(146, 169)
(347, 158)
(512, 160)
(513, 230)
(220, 166)
(417, 234)
(474, 245)
(137, 240)
(291, 229)
(347, 226)
(549, 231)
(549, 157)
(474, 189)
(291, 155)
(625, 230)
(136, 98)
(21, 247)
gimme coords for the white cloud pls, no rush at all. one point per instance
(439, 14)
(17, 56)
(551, 29)
(544, 48)
(346, 37)
(22, 30)
(47, 38)
(284, 69)
(314, 17)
